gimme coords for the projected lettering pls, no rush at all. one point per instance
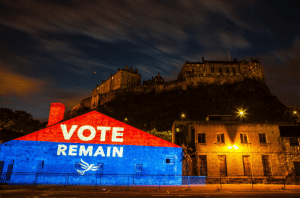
(74, 150)
(115, 137)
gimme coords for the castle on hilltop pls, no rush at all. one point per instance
(126, 81)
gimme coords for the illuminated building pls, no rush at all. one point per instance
(226, 148)
(192, 74)
(89, 149)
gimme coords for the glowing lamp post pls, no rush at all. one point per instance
(182, 116)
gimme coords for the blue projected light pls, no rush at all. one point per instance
(89, 164)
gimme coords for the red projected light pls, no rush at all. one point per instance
(96, 128)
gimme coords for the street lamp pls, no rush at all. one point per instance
(182, 116)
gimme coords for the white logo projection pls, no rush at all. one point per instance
(86, 167)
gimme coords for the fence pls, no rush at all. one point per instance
(73, 179)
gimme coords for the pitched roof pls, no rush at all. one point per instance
(289, 131)
(81, 128)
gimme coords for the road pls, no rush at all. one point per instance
(35, 193)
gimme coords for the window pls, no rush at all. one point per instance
(223, 167)
(170, 160)
(247, 165)
(220, 138)
(100, 168)
(40, 166)
(233, 70)
(203, 165)
(177, 129)
(243, 138)
(297, 168)
(212, 70)
(201, 138)
(220, 70)
(1, 167)
(227, 70)
(266, 165)
(177, 141)
(138, 168)
(262, 138)
(294, 142)
(9, 171)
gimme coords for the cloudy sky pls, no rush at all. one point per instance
(58, 50)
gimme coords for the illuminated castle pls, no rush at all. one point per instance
(126, 81)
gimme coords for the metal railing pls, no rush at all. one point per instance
(74, 179)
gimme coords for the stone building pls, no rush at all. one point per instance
(126, 81)
(290, 138)
(122, 79)
(220, 72)
(231, 148)
(90, 149)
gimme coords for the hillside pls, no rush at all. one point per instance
(148, 111)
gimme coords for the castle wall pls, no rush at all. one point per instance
(191, 74)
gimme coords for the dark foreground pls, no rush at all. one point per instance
(229, 190)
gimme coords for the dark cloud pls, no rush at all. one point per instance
(57, 51)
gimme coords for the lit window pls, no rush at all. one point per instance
(243, 138)
(177, 129)
(262, 138)
(220, 138)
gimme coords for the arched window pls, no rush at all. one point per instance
(220, 70)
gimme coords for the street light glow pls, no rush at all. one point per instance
(183, 115)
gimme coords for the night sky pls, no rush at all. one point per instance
(57, 51)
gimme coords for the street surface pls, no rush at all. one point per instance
(125, 191)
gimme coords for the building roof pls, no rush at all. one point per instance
(103, 130)
(289, 131)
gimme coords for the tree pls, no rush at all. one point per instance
(19, 121)
(166, 135)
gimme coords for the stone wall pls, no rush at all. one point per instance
(234, 156)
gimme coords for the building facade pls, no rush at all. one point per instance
(231, 149)
(290, 138)
(89, 149)
(192, 74)
(220, 72)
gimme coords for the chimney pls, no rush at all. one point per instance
(202, 59)
(131, 69)
(118, 69)
(126, 67)
(136, 71)
(158, 74)
(56, 114)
